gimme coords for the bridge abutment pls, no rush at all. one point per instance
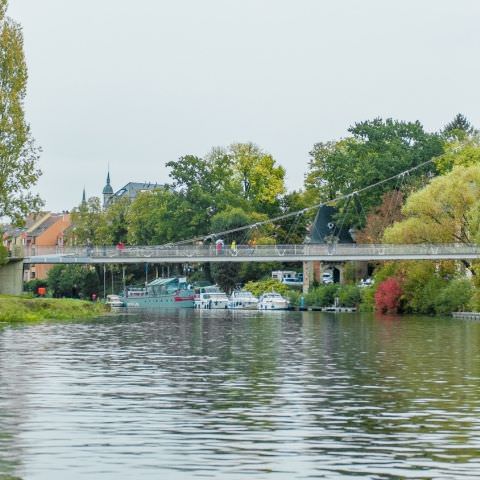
(11, 278)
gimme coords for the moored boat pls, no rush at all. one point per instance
(243, 300)
(210, 297)
(273, 301)
(114, 301)
(161, 293)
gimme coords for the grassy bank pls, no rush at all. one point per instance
(23, 309)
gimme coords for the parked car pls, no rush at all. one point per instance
(327, 277)
(366, 282)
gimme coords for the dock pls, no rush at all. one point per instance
(327, 309)
(467, 315)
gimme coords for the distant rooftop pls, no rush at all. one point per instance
(132, 189)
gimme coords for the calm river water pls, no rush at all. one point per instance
(238, 395)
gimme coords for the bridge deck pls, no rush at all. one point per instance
(245, 253)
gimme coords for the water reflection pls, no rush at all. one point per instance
(213, 394)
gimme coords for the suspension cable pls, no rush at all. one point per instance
(302, 211)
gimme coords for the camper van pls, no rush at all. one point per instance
(288, 277)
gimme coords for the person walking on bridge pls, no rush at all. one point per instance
(219, 246)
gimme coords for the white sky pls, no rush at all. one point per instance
(135, 84)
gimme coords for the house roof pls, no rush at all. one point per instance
(132, 189)
(325, 226)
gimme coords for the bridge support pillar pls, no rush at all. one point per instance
(307, 276)
(11, 278)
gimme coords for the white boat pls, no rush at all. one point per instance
(243, 300)
(273, 301)
(114, 301)
(211, 297)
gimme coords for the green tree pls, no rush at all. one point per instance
(226, 274)
(241, 176)
(458, 129)
(89, 224)
(205, 185)
(445, 211)
(18, 153)
(442, 212)
(115, 225)
(454, 297)
(261, 179)
(464, 152)
(375, 150)
(294, 229)
(73, 281)
(161, 216)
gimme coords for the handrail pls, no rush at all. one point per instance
(249, 251)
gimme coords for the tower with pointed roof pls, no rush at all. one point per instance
(84, 197)
(107, 192)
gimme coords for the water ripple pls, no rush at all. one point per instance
(240, 395)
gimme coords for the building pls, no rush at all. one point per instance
(42, 231)
(325, 230)
(130, 191)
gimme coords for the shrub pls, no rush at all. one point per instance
(367, 303)
(73, 281)
(294, 297)
(32, 285)
(454, 297)
(387, 296)
(322, 296)
(349, 295)
(262, 286)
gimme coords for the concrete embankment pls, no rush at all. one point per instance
(22, 309)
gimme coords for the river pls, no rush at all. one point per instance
(240, 395)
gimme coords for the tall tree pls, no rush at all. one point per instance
(89, 225)
(260, 177)
(18, 154)
(445, 211)
(458, 129)
(464, 152)
(375, 150)
(381, 217)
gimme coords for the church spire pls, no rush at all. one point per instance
(84, 197)
(107, 191)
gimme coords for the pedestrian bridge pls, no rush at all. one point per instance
(247, 253)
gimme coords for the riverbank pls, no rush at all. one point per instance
(23, 309)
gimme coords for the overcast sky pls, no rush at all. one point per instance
(135, 84)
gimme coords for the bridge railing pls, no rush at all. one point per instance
(245, 251)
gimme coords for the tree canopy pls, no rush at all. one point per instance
(376, 149)
(18, 153)
(458, 129)
(442, 212)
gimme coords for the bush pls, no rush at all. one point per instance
(32, 285)
(262, 286)
(454, 297)
(367, 303)
(294, 297)
(73, 281)
(387, 296)
(322, 296)
(349, 296)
